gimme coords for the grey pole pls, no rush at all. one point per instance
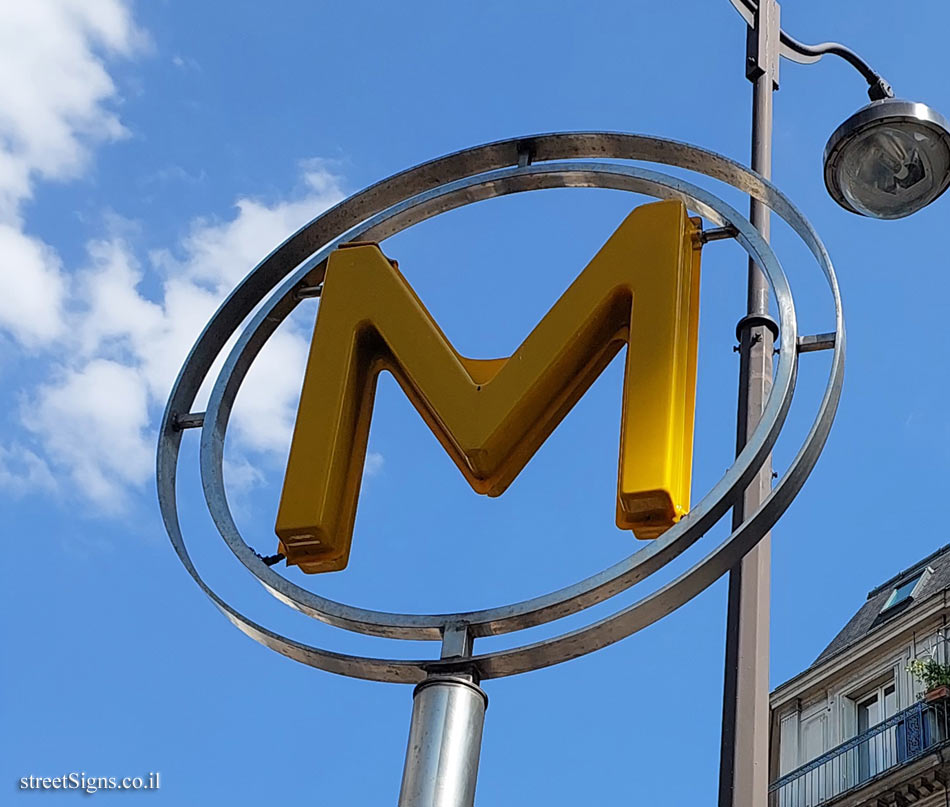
(744, 765)
(445, 739)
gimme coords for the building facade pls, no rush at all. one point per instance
(857, 729)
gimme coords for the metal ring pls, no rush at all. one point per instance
(567, 600)
(427, 176)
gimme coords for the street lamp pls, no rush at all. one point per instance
(889, 159)
(886, 161)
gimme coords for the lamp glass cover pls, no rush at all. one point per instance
(893, 168)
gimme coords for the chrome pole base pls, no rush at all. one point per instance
(445, 740)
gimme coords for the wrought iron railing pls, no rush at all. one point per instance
(878, 751)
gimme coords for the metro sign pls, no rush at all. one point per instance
(641, 291)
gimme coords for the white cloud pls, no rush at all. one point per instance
(55, 103)
(120, 351)
(32, 287)
(56, 99)
(113, 350)
(374, 463)
(23, 472)
(216, 253)
(212, 259)
(242, 475)
(185, 62)
(267, 403)
(93, 425)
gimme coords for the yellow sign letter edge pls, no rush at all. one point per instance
(641, 289)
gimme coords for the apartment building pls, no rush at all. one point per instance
(857, 728)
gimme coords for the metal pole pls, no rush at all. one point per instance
(445, 739)
(744, 764)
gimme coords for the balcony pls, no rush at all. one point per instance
(871, 758)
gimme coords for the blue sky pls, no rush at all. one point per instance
(152, 153)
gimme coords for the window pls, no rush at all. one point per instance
(876, 708)
(878, 751)
(903, 592)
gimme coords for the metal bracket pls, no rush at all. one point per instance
(880, 89)
(190, 420)
(791, 48)
(762, 42)
(717, 234)
(456, 641)
(753, 321)
(525, 153)
(306, 292)
(816, 341)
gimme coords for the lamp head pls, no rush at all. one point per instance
(889, 159)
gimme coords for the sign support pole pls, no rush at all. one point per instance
(445, 739)
(445, 735)
(744, 763)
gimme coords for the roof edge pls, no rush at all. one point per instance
(919, 565)
(928, 609)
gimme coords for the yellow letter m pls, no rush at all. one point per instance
(640, 290)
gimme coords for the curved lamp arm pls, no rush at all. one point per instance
(791, 48)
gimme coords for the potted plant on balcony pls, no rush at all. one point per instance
(933, 675)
